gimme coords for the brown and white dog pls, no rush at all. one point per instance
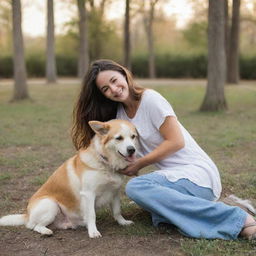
(84, 182)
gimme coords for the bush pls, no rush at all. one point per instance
(66, 65)
(35, 64)
(171, 65)
(6, 66)
(248, 67)
(167, 66)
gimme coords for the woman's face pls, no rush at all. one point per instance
(113, 85)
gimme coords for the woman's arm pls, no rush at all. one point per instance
(173, 141)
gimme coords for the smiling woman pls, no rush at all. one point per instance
(185, 175)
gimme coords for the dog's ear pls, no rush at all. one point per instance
(99, 127)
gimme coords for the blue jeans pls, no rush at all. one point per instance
(186, 205)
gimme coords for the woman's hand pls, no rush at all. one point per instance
(132, 169)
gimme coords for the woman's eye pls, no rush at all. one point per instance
(119, 138)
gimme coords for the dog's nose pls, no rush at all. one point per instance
(130, 150)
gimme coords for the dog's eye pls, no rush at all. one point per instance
(119, 138)
(133, 136)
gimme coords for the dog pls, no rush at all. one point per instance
(88, 180)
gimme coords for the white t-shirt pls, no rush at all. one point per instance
(191, 162)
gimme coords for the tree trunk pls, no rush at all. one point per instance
(150, 38)
(215, 99)
(233, 58)
(20, 74)
(151, 49)
(127, 41)
(50, 52)
(83, 61)
(226, 31)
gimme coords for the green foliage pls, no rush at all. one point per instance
(67, 45)
(100, 32)
(66, 65)
(172, 65)
(196, 35)
(167, 65)
(5, 26)
(35, 65)
(6, 66)
(248, 67)
(104, 41)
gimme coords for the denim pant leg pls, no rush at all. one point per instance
(179, 203)
(184, 186)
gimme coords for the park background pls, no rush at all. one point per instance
(175, 32)
(171, 46)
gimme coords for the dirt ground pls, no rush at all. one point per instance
(20, 241)
(116, 240)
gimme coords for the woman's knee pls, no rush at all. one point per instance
(138, 185)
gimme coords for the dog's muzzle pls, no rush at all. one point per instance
(130, 157)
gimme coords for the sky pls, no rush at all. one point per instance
(34, 14)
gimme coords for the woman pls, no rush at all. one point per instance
(184, 188)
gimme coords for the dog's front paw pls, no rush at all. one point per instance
(94, 234)
(126, 222)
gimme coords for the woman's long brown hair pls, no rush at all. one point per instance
(93, 105)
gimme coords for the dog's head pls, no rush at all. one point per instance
(116, 142)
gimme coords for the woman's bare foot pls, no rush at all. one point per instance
(249, 229)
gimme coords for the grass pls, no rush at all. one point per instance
(35, 139)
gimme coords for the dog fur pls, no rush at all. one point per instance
(84, 182)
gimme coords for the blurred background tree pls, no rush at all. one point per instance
(20, 91)
(214, 99)
(127, 36)
(51, 72)
(83, 57)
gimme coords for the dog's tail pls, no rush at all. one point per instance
(244, 204)
(13, 220)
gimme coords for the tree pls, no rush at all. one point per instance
(226, 13)
(50, 49)
(214, 98)
(100, 30)
(233, 52)
(83, 61)
(148, 22)
(127, 41)
(20, 73)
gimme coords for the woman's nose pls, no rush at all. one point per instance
(113, 88)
